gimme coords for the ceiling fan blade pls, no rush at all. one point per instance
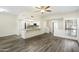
(47, 7)
(42, 7)
(37, 11)
(49, 10)
(37, 7)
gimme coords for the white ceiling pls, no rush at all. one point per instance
(56, 9)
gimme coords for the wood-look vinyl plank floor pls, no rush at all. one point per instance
(41, 43)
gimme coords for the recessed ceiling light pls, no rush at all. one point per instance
(3, 10)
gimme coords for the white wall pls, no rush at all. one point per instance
(7, 24)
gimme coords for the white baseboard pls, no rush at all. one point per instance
(7, 35)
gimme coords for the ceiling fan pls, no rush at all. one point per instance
(43, 9)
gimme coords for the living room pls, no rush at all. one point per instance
(39, 28)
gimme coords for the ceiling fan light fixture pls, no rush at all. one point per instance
(42, 11)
